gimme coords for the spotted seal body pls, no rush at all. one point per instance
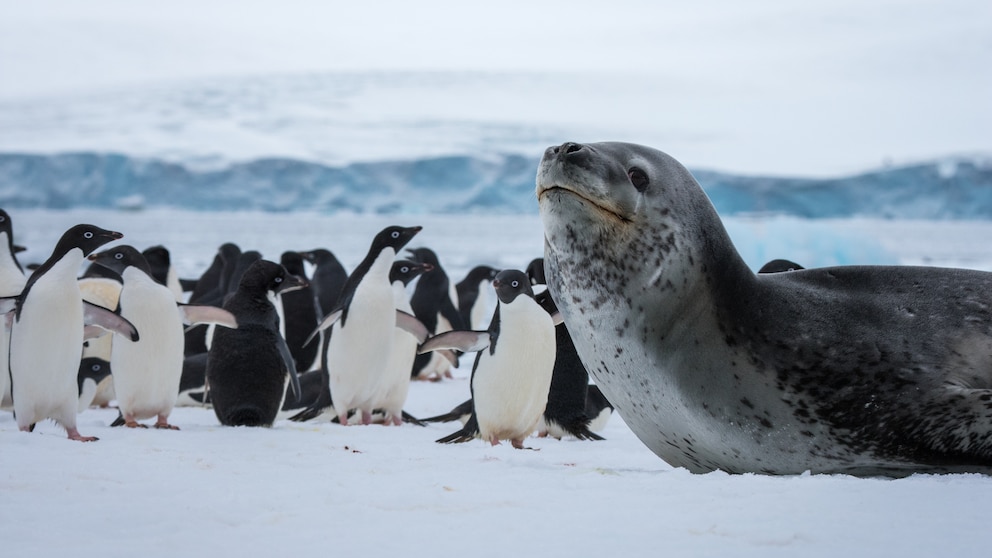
(861, 370)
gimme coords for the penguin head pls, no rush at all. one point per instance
(85, 237)
(5, 225)
(264, 275)
(317, 256)
(535, 271)
(94, 368)
(393, 237)
(119, 258)
(293, 262)
(406, 271)
(511, 283)
(425, 255)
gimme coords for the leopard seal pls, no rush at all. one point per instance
(861, 370)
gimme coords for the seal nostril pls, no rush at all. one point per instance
(571, 147)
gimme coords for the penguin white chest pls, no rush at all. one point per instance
(510, 386)
(46, 342)
(360, 345)
(147, 372)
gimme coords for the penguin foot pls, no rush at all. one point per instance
(134, 424)
(519, 444)
(165, 426)
(75, 435)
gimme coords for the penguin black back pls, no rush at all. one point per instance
(159, 261)
(299, 309)
(468, 291)
(247, 367)
(329, 277)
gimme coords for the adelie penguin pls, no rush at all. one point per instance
(300, 315)
(395, 384)
(361, 329)
(12, 281)
(47, 332)
(160, 261)
(511, 376)
(248, 368)
(147, 372)
(565, 414)
(93, 371)
(434, 303)
(473, 295)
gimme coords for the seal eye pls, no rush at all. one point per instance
(638, 178)
(87, 235)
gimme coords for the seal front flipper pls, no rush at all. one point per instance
(99, 316)
(327, 322)
(465, 341)
(196, 314)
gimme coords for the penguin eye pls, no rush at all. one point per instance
(2, 218)
(278, 280)
(404, 269)
(119, 256)
(638, 178)
(514, 283)
(87, 235)
(395, 234)
(95, 367)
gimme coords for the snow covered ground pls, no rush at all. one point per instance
(385, 491)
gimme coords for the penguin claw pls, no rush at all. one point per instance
(165, 426)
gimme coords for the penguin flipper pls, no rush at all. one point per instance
(119, 421)
(407, 417)
(545, 301)
(468, 433)
(195, 314)
(455, 414)
(99, 316)
(580, 429)
(290, 363)
(327, 322)
(465, 341)
(315, 409)
(410, 324)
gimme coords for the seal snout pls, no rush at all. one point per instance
(564, 149)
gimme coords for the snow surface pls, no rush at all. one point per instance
(319, 488)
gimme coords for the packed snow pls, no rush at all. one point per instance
(375, 490)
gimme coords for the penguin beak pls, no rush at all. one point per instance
(292, 283)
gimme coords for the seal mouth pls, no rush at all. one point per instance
(544, 191)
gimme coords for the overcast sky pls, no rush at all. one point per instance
(907, 79)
